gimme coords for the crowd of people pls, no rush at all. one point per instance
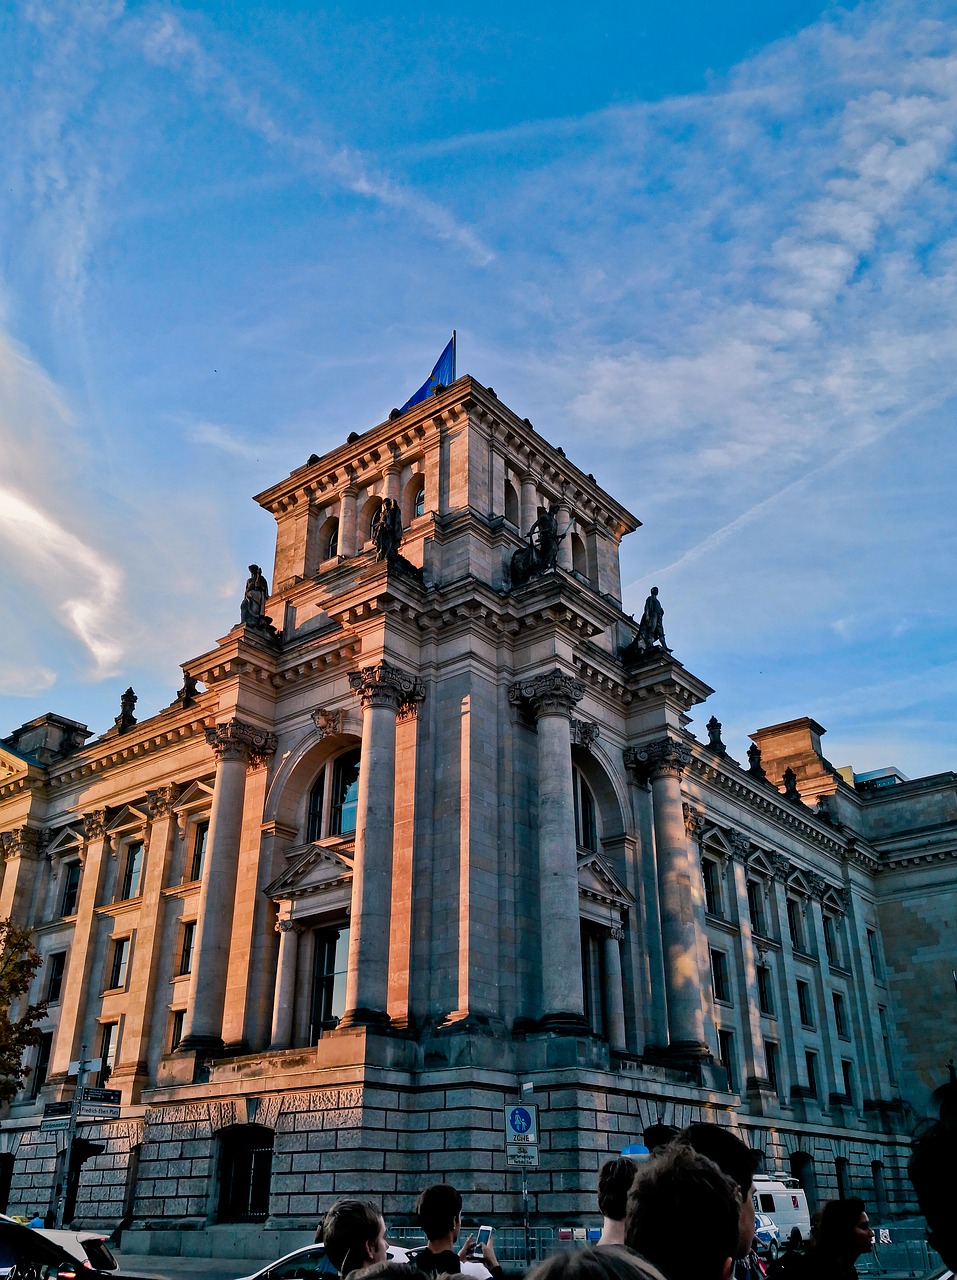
(686, 1213)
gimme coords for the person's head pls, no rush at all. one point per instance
(933, 1172)
(439, 1210)
(738, 1161)
(353, 1232)
(614, 1182)
(683, 1215)
(613, 1262)
(844, 1229)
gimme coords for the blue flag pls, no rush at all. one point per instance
(444, 373)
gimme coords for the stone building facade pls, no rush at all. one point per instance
(428, 824)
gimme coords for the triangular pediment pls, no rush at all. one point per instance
(797, 882)
(714, 840)
(315, 870)
(759, 865)
(66, 840)
(597, 881)
(128, 816)
(198, 795)
(14, 765)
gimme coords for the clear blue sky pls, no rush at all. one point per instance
(709, 250)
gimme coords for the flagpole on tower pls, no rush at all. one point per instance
(453, 355)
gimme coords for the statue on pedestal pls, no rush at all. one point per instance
(252, 611)
(651, 632)
(387, 530)
(540, 552)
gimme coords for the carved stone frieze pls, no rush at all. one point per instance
(658, 759)
(159, 803)
(694, 819)
(327, 721)
(385, 685)
(236, 740)
(553, 693)
(94, 824)
(740, 847)
(585, 733)
(780, 866)
(22, 842)
(817, 884)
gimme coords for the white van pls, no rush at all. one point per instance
(784, 1201)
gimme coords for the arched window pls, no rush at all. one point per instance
(579, 558)
(586, 813)
(245, 1170)
(331, 548)
(418, 503)
(334, 797)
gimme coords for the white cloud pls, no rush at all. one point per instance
(23, 681)
(218, 437)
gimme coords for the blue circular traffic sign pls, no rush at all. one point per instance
(520, 1120)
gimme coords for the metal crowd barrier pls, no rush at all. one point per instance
(510, 1241)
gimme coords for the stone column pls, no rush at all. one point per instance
(662, 762)
(746, 968)
(565, 546)
(347, 521)
(285, 999)
(235, 745)
(529, 502)
(383, 691)
(615, 997)
(553, 696)
(391, 475)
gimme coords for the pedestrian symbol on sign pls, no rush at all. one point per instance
(520, 1119)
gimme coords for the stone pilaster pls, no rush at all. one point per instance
(615, 998)
(21, 850)
(347, 521)
(384, 691)
(553, 697)
(529, 502)
(662, 763)
(284, 1003)
(235, 745)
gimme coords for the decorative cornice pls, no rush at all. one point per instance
(236, 740)
(665, 757)
(115, 752)
(22, 842)
(551, 694)
(585, 733)
(385, 685)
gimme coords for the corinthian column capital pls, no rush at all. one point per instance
(236, 740)
(22, 842)
(386, 686)
(551, 694)
(665, 757)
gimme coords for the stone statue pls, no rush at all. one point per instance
(651, 633)
(540, 552)
(755, 768)
(387, 530)
(187, 695)
(253, 609)
(714, 737)
(126, 719)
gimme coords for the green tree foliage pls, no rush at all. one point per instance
(19, 961)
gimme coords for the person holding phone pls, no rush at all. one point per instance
(439, 1211)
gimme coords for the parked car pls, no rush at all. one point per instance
(311, 1263)
(767, 1236)
(37, 1254)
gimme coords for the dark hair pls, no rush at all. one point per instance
(437, 1208)
(838, 1220)
(614, 1182)
(683, 1214)
(346, 1229)
(730, 1154)
(609, 1262)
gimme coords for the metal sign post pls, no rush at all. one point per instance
(79, 1068)
(521, 1152)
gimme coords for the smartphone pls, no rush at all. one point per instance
(483, 1237)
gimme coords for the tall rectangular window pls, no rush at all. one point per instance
(831, 940)
(329, 968)
(886, 1040)
(840, 1015)
(119, 963)
(176, 1023)
(42, 1064)
(720, 980)
(71, 889)
(56, 963)
(874, 951)
(765, 989)
(847, 1072)
(108, 1046)
(726, 1052)
(198, 853)
(773, 1061)
(810, 1063)
(756, 908)
(805, 1008)
(712, 887)
(186, 948)
(133, 870)
(796, 924)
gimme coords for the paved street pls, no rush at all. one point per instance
(144, 1264)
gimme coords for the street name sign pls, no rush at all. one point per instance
(109, 1097)
(520, 1156)
(99, 1111)
(55, 1122)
